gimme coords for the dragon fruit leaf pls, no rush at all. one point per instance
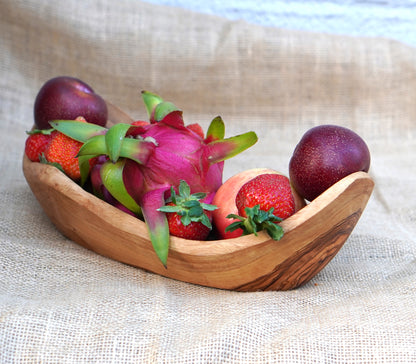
(133, 180)
(84, 167)
(220, 150)
(150, 101)
(78, 130)
(157, 222)
(160, 110)
(94, 146)
(114, 138)
(174, 119)
(112, 178)
(163, 109)
(216, 130)
(96, 182)
(137, 149)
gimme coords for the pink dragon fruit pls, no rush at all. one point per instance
(145, 161)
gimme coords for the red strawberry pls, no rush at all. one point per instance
(63, 150)
(187, 216)
(194, 230)
(263, 202)
(267, 190)
(37, 142)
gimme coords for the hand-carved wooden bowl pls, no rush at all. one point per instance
(313, 235)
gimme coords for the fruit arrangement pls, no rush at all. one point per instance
(169, 175)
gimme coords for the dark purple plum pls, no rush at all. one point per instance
(66, 98)
(324, 155)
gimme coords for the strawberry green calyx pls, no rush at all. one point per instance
(257, 220)
(40, 131)
(43, 160)
(189, 206)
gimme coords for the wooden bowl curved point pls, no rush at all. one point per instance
(312, 236)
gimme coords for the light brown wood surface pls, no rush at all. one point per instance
(312, 236)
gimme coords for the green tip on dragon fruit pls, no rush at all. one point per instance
(152, 158)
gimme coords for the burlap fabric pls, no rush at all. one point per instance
(60, 303)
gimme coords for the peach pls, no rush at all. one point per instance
(225, 200)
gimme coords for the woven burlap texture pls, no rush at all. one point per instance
(60, 303)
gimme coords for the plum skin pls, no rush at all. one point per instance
(66, 98)
(324, 155)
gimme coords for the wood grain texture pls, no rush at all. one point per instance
(250, 263)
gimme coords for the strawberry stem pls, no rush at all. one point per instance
(188, 205)
(40, 131)
(257, 220)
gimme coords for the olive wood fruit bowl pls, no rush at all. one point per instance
(312, 236)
